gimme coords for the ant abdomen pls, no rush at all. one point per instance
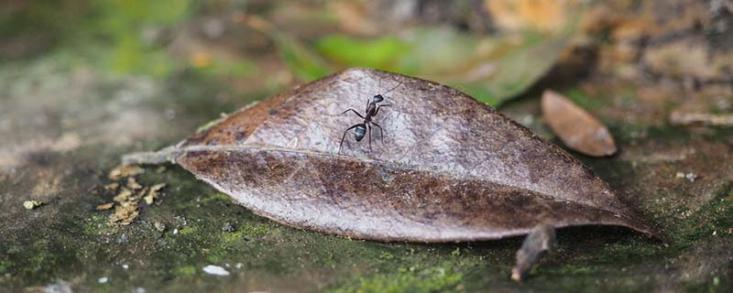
(360, 132)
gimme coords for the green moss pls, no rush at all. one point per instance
(188, 230)
(186, 271)
(216, 197)
(245, 233)
(586, 102)
(4, 266)
(435, 279)
(716, 216)
(96, 224)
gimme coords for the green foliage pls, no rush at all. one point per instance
(584, 101)
(186, 271)
(382, 53)
(491, 69)
(304, 63)
(124, 25)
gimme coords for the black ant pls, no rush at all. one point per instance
(361, 129)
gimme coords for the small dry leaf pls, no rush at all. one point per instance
(126, 209)
(125, 213)
(123, 171)
(449, 168)
(576, 128)
(112, 186)
(132, 184)
(123, 196)
(105, 206)
(153, 193)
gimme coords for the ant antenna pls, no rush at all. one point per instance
(395, 87)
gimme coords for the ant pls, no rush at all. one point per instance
(361, 129)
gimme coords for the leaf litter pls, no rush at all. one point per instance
(128, 193)
(576, 128)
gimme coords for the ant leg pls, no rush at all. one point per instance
(344, 136)
(377, 110)
(369, 129)
(352, 110)
(381, 131)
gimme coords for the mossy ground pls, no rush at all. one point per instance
(68, 116)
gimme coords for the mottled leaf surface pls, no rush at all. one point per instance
(450, 168)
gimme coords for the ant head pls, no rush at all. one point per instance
(360, 132)
(377, 98)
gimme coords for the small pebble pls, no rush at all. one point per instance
(103, 280)
(689, 176)
(238, 265)
(105, 206)
(216, 270)
(125, 266)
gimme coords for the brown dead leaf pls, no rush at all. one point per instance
(576, 128)
(449, 169)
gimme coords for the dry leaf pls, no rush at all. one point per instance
(449, 169)
(105, 206)
(126, 209)
(125, 171)
(112, 186)
(132, 184)
(153, 193)
(124, 195)
(576, 128)
(124, 213)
